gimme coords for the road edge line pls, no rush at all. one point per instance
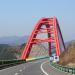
(43, 69)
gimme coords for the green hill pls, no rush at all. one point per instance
(8, 52)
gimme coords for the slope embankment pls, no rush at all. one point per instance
(67, 58)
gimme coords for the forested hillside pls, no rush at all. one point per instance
(10, 52)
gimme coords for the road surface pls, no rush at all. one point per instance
(39, 67)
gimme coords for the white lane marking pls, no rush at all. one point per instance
(16, 73)
(43, 69)
(20, 70)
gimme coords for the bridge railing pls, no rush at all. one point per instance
(63, 68)
(36, 58)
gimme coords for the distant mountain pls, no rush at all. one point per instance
(7, 52)
(13, 40)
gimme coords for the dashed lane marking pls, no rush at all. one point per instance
(20, 70)
(16, 73)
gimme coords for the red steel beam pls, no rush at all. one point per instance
(51, 25)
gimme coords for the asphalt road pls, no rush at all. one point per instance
(39, 67)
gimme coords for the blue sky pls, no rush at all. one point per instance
(18, 17)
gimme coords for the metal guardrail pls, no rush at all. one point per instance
(9, 63)
(63, 68)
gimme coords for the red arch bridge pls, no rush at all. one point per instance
(49, 26)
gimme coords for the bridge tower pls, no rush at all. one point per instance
(54, 33)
